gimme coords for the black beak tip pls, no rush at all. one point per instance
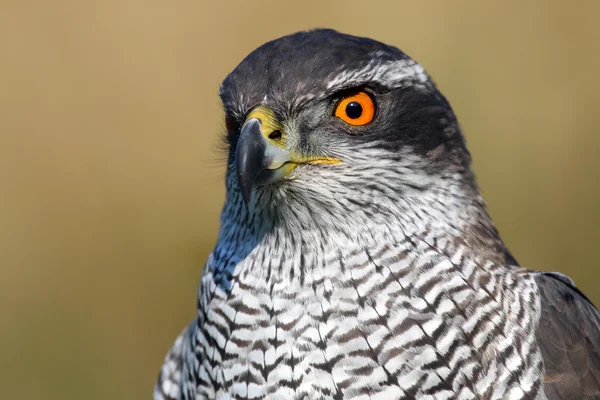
(245, 189)
(250, 157)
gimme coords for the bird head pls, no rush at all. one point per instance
(323, 121)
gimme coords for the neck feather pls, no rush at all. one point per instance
(291, 233)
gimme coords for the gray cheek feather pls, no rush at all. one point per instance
(309, 132)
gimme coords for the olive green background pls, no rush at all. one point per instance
(111, 165)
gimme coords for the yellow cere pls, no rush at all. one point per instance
(270, 124)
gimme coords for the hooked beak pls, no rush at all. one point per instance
(261, 157)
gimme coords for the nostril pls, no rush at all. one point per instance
(275, 135)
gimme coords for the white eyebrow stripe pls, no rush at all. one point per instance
(388, 73)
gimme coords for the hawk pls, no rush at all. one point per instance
(356, 259)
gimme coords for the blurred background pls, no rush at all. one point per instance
(111, 173)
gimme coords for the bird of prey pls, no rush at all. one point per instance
(356, 259)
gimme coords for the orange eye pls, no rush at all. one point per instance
(357, 109)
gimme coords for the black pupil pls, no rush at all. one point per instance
(353, 110)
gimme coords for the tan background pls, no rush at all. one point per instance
(111, 173)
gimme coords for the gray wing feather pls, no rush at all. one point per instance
(569, 339)
(168, 385)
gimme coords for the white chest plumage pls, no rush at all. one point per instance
(398, 320)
